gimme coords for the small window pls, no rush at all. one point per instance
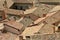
(27, 36)
(15, 7)
(59, 28)
(0, 17)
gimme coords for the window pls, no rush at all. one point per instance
(0, 17)
(21, 8)
(59, 28)
(15, 7)
(27, 36)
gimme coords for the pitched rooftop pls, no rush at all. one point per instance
(50, 18)
(14, 12)
(49, 0)
(43, 9)
(14, 24)
(14, 27)
(6, 35)
(11, 2)
(26, 21)
(47, 29)
(23, 1)
(31, 30)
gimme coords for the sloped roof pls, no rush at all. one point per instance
(31, 30)
(43, 9)
(14, 24)
(26, 21)
(28, 11)
(56, 8)
(48, 17)
(6, 35)
(14, 12)
(51, 17)
(32, 16)
(23, 1)
(49, 0)
(11, 2)
(54, 17)
(47, 29)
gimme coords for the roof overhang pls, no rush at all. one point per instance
(52, 2)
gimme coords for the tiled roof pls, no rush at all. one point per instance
(14, 12)
(56, 8)
(49, 0)
(28, 11)
(26, 21)
(14, 24)
(8, 36)
(31, 30)
(50, 18)
(32, 16)
(23, 1)
(54, 17)
(47, 29)
(11, 2)
(43, 9)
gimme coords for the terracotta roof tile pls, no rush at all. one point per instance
(31, 30)
(47, 29)
(14, 24)
(43, 9)
(23, 1)
(14, 12)
(49, 0)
